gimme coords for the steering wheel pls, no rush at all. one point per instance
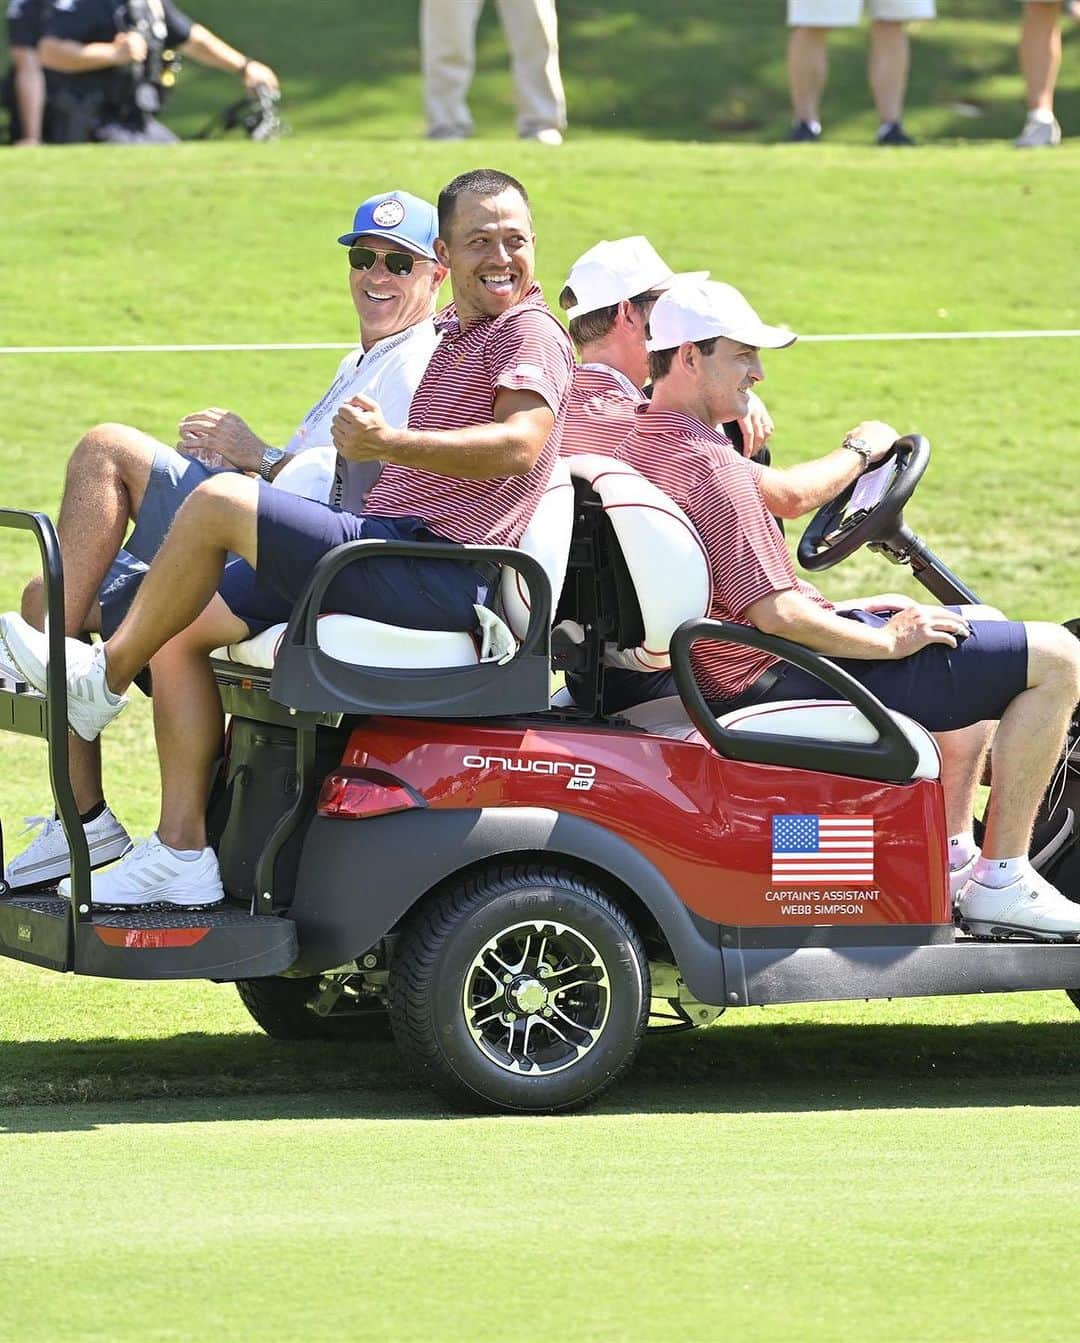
(879, 496)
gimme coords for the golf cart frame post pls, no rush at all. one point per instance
(36, 717)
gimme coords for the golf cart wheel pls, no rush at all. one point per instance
(283, 1008)
(520, 988)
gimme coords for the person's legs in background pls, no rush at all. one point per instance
(887, 69)
(808, 68)
(1040, 61)
(532, 33)
(448, 60)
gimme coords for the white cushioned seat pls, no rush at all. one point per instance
(372, 643)
(664, 555)
(820, 720)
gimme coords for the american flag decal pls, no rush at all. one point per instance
(814, 850)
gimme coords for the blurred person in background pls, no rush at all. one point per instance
(448, 60)
(111, 67)
(810, 21)
(1040, 61)
(24, 91)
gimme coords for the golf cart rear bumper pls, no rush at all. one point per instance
(222, 944)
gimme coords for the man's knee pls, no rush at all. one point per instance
(1053, 654)
(218, 501)
(32, 605)
(108, 448)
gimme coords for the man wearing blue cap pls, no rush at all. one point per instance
(118, 474)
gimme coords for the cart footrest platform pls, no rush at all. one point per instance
(226, 943)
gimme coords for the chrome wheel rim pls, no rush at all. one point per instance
(537, 998)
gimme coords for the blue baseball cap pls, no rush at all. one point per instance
(398, 217)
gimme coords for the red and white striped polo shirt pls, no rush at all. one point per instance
(718, 490)
(600, 413)
(524, 349)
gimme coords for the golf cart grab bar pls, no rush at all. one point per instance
(56, 725)
(306, 678)
(891, 758)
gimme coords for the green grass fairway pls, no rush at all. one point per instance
(825, 1213)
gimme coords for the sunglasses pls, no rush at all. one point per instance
(397, 263)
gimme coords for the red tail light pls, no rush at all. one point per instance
(354, 794)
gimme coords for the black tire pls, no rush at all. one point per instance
(281, 1008)
(553, 919)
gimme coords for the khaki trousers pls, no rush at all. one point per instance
(448, 58)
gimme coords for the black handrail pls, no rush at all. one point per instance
(303, 621)
(56, 718)
(306, 678)
(891, 758)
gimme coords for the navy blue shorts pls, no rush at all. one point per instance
(172, 478)
(295, 533)
(940, 687)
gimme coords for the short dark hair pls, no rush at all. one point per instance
(660, 361)
(478, 182)
(595, 325)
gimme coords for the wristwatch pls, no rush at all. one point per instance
(860, 446)
(270, 459)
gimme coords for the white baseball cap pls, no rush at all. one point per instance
(701, 309)
(613, 271)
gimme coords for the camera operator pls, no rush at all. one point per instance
(24, 86)
(111, 66)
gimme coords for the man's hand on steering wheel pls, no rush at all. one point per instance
(877, 435)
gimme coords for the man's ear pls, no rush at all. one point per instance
(439, 274)
(443, 253)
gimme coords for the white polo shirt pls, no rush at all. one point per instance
(388, 373)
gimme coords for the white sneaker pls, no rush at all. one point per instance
(1038, 134)
(1027, 907)
(958, 875)
(549, 135)
(46, 858)
(151, 875)
(91, 704)
(9, 673)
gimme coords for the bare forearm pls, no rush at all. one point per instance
(789, 615)
(209, 49)
(73, 58)
(481, 452)
(795, 490)
(29, 93)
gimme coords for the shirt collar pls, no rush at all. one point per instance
(675, 422)
(446, 320)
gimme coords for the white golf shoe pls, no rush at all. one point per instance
(91, 704)
(46, 858)
(958, 875)
(152, 875)
(1027, 907)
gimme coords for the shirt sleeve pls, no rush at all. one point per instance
(76, 23)
(178, 23)
(23, 23)
(748, 557)
(529, 351)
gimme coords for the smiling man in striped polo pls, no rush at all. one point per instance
(470, 467)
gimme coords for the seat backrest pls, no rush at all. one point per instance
(547, 540)
(657, 551)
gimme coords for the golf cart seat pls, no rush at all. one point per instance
(660, 578)
(371, 643)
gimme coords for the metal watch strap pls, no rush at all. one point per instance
(860, 446)
(270, 459)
